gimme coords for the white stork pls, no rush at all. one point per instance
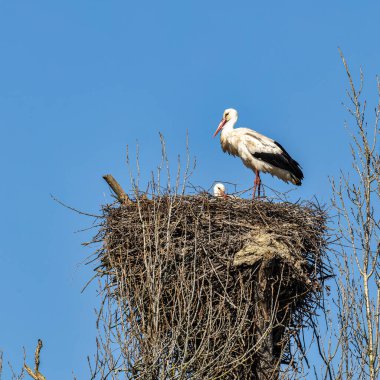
(258, 152)
(220, 190)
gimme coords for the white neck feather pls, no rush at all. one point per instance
(229, 126)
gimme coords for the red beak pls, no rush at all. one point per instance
(220, 127)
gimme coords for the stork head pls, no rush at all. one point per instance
(228, 114)
(219, 190)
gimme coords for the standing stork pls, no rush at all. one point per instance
(258, 152)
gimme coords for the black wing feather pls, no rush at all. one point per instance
(282, 161)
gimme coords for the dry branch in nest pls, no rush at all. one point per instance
(206, 288)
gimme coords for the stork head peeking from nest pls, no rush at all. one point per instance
(219, 190)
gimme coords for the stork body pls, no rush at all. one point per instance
(258, 152)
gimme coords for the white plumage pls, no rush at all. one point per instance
(219, 190)
(258, 152)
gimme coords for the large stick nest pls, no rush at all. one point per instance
(208, 288)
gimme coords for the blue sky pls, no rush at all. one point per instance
(80, 80)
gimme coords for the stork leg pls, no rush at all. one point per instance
(256, 184)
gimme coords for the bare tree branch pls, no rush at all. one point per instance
(36, 374)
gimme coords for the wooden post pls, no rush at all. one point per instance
(267, 366)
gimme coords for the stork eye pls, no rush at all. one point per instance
(227, 113)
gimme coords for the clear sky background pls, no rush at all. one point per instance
(80, 80)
